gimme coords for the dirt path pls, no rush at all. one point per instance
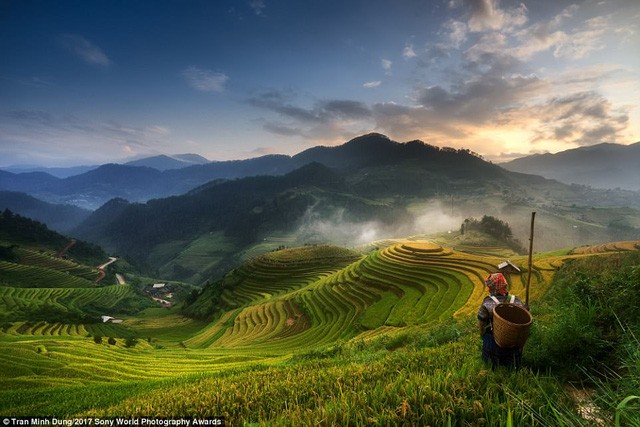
(66, 248)
(120, 278)
(587, 409)
(101, 268)
(164, 302)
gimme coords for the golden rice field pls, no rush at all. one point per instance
(280, 305)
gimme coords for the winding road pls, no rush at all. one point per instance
(101, 268)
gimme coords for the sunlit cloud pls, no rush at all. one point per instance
(486, 15)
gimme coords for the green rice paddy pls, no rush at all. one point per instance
(306, 333)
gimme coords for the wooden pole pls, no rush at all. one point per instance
(533, 218)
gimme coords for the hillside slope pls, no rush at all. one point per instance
(61, 218)
(293, 299)
(600, 166)
(334, 334)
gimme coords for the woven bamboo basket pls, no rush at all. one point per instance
(511, 325)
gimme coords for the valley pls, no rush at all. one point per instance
(344, 291)
(296, 321)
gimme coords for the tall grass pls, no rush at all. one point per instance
(586, 332)
(407, 386)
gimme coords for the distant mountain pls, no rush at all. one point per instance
(368, 183)
(58, 172)
(374, 170)
(61, 218)
(372, 164)
(135, 183)
(599, 166)
(27, 182)
(164, 162)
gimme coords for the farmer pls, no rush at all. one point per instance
(491, 352)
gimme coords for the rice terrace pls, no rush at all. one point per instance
(296, 336)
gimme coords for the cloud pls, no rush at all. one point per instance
(325, 121)
(372, 84)
(408, 52)
(282, 129)
(386, 65)
(409, 122)
(39, 136)
(455, 34)
(346, 109)
(263, 151)
(583, 118)
(481, 90)
(493, 86)
(584, 41)
(204, 80)
(322, 111)
(487, 16)
(84, 49)
(258, 6)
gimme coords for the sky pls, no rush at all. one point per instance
(97, 81)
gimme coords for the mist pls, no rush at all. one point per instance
(337, 226)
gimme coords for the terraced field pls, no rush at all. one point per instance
(288, 304)
(608, 247)
(64, 330)
(55, 362)
(44, 295)
(291, 304)
(277, 305)
(27, 303)
(29, 276)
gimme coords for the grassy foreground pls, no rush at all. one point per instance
(422, 377)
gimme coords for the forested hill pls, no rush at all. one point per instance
(370, 179)
(243, 209)
(17, 230)
(61, 218)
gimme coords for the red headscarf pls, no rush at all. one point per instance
(497, 285)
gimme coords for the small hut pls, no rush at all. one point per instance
(508, 267)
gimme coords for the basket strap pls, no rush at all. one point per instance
(513, 299)
(496, 300)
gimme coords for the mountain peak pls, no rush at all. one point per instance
(370, 138)
(164, 162)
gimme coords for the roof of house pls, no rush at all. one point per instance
(506, 264)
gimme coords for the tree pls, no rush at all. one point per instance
(130, 342)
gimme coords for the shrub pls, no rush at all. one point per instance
(111, 341)
(130, 342)
(97, 339)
